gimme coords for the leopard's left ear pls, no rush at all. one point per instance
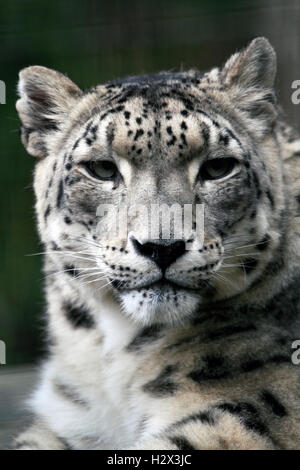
(46, 98)
(249, 77)
(253, 67)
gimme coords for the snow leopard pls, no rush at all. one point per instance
(166, 342)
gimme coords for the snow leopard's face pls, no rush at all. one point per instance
(127, 148)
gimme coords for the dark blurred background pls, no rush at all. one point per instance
(93, 41)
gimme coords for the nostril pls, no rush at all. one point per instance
(176, 249)
(163, 254)
(144, 249)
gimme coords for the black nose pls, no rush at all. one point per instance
(163, 254)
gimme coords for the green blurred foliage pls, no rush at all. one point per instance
(93, 41)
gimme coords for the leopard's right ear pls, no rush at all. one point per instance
(46, 98)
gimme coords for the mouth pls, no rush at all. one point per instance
(161, 286)
(166, 285)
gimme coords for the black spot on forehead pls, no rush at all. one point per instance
(138, 134)
(110, 133)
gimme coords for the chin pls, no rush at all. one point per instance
(160, 304)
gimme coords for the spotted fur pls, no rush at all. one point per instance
(192, 349)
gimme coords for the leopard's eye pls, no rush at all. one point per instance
(103, 169)
(217, 168)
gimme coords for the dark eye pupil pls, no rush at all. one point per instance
(107, 166)
(217, 168)
(104, 170)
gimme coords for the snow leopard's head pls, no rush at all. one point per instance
(202, 145)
